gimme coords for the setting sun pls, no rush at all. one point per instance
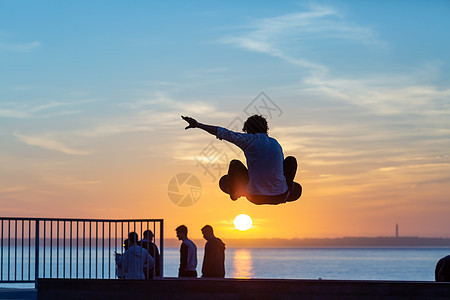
(242, 222)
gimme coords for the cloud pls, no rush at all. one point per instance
(160, 104)
(383, 93)
(13, 113)
(12, 189)
(291, 37)
(69, 180)
(398, 130)
(19, 110)
(19, 47)
(288, 36)
(109, 127)
(157, 112)
(48, 143)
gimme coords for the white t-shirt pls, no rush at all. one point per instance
(133, 261)
(264, 161)
(191, 255)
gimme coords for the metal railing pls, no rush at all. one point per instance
(33, 248)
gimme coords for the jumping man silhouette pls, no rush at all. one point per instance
(269, 178)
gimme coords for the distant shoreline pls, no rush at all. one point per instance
(344, 242)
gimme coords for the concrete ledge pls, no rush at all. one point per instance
(174, 288)
(13, 293)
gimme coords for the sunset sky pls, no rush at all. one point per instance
(91, 94)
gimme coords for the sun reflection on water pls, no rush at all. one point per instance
(242, 264)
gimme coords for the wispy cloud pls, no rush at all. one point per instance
(19, 47)
(69, 181)
(48, 143)
(161, 103)
(12, 189)
(24, 110)
(157, 112)
(356, 158)
(383, 93)
(13, 113)
(287, 36)
(111, 126)
(291, 37)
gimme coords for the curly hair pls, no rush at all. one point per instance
(256, 124)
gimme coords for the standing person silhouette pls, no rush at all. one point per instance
(269, 178)
(188, 254)
(214, 258)
(148, 244)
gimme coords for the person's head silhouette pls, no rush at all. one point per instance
(132, 238)
(256, 124)
(181, 232)
(148, 235)
(208, 232)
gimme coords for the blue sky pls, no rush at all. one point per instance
(91, 93)
(93, 44)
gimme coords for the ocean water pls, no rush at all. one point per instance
(409, 264)
(415, 264)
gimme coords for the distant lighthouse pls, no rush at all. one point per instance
(396, 230)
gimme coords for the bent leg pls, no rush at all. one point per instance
(289, 169)
(235, 182)
(224, 185)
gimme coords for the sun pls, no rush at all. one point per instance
(242, 222)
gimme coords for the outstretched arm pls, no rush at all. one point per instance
(194, 124)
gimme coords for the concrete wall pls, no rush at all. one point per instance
(216, 289)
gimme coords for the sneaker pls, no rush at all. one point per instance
(295, 193)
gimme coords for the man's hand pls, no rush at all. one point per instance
(192, 122)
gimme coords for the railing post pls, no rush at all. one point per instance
(161, 257)
(36, 255)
